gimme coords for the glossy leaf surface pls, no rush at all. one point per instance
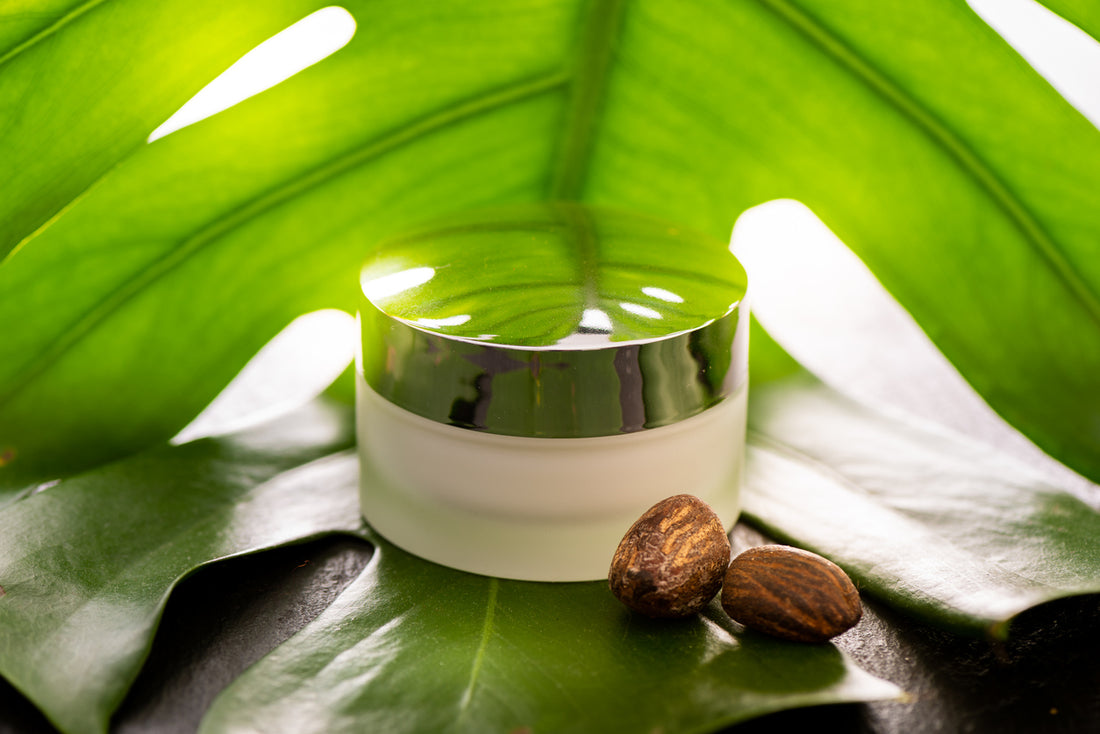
(414, 647)
(946, 529)
(86, 566)
(963, 180)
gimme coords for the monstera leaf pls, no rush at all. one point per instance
(414, 647)
(137, 278)
(948, 530)
(78, 615)
(140, 277)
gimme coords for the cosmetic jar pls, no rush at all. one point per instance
(531, 379)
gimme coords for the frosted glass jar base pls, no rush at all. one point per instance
(539, 509)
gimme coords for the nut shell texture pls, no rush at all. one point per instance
(790, 593)
(672, 560)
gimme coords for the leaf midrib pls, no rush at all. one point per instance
(956, 147)
(582, 246)
(589, 74)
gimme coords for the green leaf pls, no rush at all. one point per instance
(1082, 13)
(12, 494)
(78, 615)
(148, 274)
(75, 106)
(770, 361)
(87, 566)
(941, 527)
(415, 647)
(163, 252)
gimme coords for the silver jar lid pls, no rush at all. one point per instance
(554, 320)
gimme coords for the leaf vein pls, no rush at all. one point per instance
(589, 75)
(479, 656)
(78, 12)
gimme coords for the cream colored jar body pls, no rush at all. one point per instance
(542, 509)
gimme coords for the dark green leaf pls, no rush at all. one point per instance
(939, 526)
(87, 566)
(11, 494)
(414, 647)
(963, 180)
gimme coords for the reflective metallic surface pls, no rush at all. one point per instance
(554, 320)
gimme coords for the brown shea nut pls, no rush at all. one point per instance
(671, 561)
(790, 593)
